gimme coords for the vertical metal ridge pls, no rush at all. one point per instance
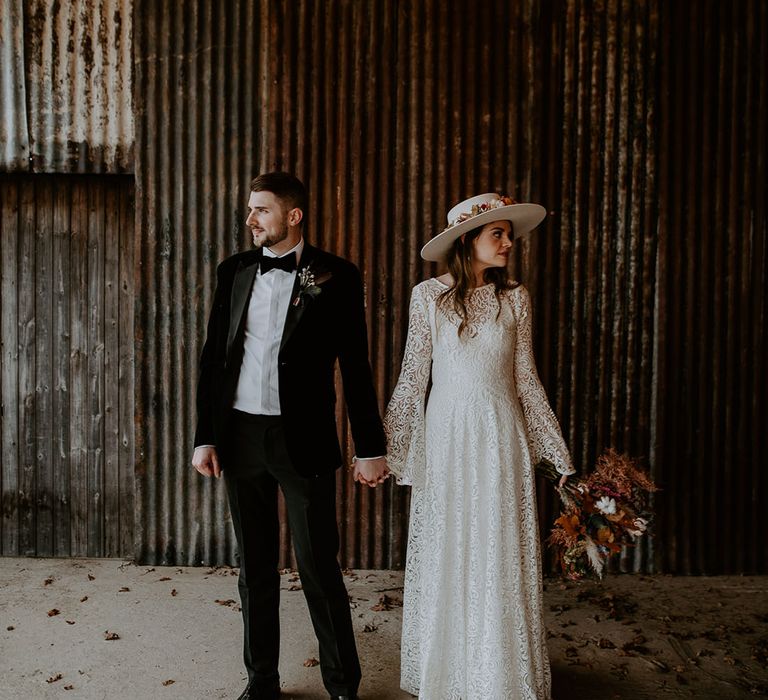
(14, 128)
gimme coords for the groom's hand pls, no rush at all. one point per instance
(370, 471)
(206, 461)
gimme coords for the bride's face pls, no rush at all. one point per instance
(491, 248)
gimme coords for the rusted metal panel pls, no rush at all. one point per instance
(68, 86)
(591, 269)
(14, 137)
(391, 112)
(66, 367)
(711, 378)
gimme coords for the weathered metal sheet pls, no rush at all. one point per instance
(72, 61)
(14, 138)
(710, 377)
(66, 366)
(592, 271)
(391, 112)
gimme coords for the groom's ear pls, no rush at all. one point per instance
(295, 216)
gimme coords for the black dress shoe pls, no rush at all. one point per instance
(253, 693)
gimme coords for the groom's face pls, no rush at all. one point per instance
(267, 219)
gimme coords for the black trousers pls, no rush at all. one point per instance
(256, 463)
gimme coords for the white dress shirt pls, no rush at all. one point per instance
(258, 389)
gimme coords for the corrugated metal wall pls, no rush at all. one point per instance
(66, 85)
(627, 119)
(639, 124)
(592, 124)
(66, 366)
(712, 388)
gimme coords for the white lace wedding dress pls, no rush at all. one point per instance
(472, 615)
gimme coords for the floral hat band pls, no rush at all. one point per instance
(481, 208)
(478, 211)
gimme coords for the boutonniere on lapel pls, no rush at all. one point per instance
(309, 284)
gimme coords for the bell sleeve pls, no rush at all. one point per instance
(545, 440)
(404, 418)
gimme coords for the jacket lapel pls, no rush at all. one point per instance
(241, 293)
(295, 311)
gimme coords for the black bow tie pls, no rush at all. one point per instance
(287, 263)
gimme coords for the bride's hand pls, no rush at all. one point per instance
(561, 483)
(370, 471)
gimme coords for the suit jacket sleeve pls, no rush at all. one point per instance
(359, 393)
(212, 362)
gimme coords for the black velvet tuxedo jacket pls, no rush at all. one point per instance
(319, 329)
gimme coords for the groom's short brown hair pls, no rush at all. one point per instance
(286, 187)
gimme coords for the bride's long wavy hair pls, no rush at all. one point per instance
(459, 261)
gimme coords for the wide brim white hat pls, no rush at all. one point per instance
(478, 211)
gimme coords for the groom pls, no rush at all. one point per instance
(282, 315)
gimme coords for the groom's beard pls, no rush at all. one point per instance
(270, 239)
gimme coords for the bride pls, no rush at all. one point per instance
(472, 615)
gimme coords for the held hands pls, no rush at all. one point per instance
(370, 471)
(206, 461)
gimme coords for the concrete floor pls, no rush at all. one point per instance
(179, 634)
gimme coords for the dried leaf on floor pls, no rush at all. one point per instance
(84, 598)
(70, 622)
(617, 605)
(91, 577)
(111, 636)
(55, 678)
(48, 581)
(387, 603)
(636, 645)
(310, 662)
(53, 612)
(124, 589)
(174, 592)
(170, 681)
